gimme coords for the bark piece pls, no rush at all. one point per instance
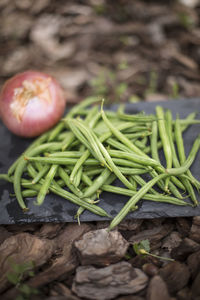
(150, 269)
(195, 230)
(172, 241)
(186, 247)
(153, 235)
(183, 225)
(4, 234)
(157, 289)
(109, 282)
(49, 230)
(71, 297)
(130, 225)
(193, 262)
(196, 287)
(101, 247)
(184, 294)
(67, 262)
(196, 220)
(22, 248)
(71, 233)
(131, 298)
(176, 275)
(61, 290)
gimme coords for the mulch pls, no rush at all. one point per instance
(122, 51)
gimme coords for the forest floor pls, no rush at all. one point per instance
(124, 51)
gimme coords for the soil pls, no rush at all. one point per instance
(122, 50)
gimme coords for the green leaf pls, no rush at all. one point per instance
(136, 248)
(20, 297)
(13, 278)
(31, 273)
(144, 245)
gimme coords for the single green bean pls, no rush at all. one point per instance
(164, 136)
(81, 202)
(61, 160)
(66, 179)
(86, 179)
(47, 181)
(156, 198)
(99, 181)
(154, 141)
(135, 158)
(66, 154)
(40, 174)
(133, 201)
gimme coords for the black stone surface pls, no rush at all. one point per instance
(56, 209)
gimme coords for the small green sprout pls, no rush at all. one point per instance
(16, 276)
(143, 248)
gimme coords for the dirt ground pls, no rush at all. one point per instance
(123, 50)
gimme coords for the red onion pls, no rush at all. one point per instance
(31, 103)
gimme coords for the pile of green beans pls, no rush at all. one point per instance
(90, 148)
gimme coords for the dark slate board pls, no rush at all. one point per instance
(56, 209)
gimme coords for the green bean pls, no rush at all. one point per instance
(61, 160)
(5, 177)
(90, 136)
(27, 184)
(91, 121)
(140, 134)
(21, 165)
(47, 181)
(188, 122)
(41, 139)
(68, 141)
(81, 209)
(66, 154)
(135, 118)
(86, 179)
(179, 141)
(118, 145)
(135, 158)
(165, 140)
(133, 201)
(191, 116)
(136, 129)
(140, 144)
(175, 161)
(153, 140)
(99, 181)
(186, 165)
(93, 171)
(113, 167)
(120, 135)
(130, 171)
(142, 182)
(40, 174)
(66, 179)
(164, 136)
(29, 193)
(127, 163)
(31, 170)
(135, 149)
(133, 182)
(69, 196)
(77, 178)
(156, 198)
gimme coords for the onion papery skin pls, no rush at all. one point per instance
(39, 113)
